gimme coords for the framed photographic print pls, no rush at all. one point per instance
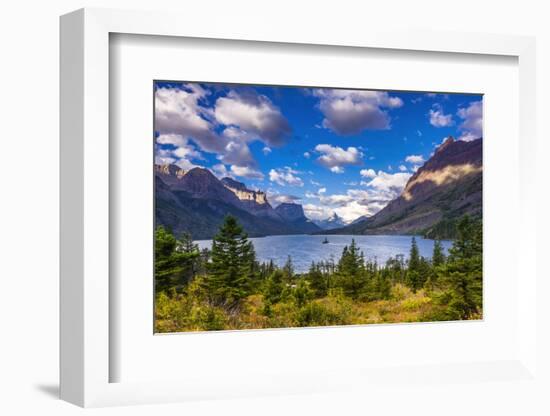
(287, 213)
(280, 207)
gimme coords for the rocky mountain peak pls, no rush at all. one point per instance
(446, 143)
(332, 222)
(200, 180)
(290, 211)
(201, 173)
(170, 170)
(334, 217)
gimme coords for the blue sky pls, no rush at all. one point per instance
(332, 150)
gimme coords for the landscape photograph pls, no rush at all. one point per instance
(290, 206)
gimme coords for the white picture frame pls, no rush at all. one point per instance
(86, 355)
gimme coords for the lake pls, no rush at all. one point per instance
(303, 249)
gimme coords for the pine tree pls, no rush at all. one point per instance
(351, 271)
(414, 278)
(468, 244)
(382, 286)
(273, 287)
(438, 260)
(173, 266)
(464, 270)
(414, 256)
(231, 266)
(317, 282)
(350, 262)
(438, 257)
(186, 245)
(288, 270)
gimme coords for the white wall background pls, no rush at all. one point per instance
(29, 187)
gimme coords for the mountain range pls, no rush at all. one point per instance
(445, 188)
(332, 222)
(195, 201)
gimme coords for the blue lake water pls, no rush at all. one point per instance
(303, 249)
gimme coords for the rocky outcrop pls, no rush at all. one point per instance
(290, 212)
(243, 193)
(170, 174)
(294, 214)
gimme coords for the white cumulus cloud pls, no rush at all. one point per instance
(393, 182)
(472, 124)
(414, 159)
(285, 176)
(349, 112)
(254, 114)
(277, 199)
(238, 153)
(334, 157)
(246, 172)
(317, 212)
(182, 114)
(180, 152)
(178, 112)
(350, 205)
(220, 171)
(367, 173)
(438, 118)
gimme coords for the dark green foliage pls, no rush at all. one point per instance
(274, 286)
(351, 276)
(288, 271)
(444, 229)
(382, 287)
(414, 256)
(174, 262)
(232, 264)
(438, 257)
(318, 281)
(413, 278)
(351, 261)
(464, 269)
(469, 241)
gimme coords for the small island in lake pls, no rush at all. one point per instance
(290, 207)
